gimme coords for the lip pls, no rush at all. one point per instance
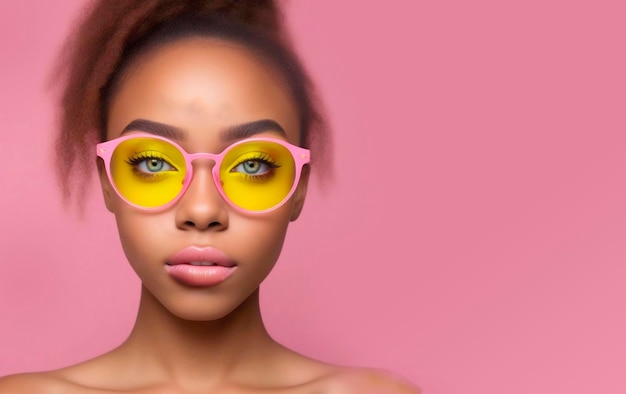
(180, 267)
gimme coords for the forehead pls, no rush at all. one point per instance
(202, 86)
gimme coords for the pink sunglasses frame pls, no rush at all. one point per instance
(301, 156)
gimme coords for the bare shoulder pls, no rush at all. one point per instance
(58, 381)
(366, 381)
(36, 382)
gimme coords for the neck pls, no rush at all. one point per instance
(206, 350)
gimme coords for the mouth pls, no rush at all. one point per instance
(202, 263)
(200, 266)
(201, 256)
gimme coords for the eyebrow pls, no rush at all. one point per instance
(231, 133)
(161, 129)
(247, 130)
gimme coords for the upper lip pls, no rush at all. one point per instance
(201, 254)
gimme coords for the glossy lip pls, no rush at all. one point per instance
(204, 254)
(179, 266)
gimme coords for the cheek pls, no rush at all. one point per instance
(262, 237)
(258, 240)
(142, 236)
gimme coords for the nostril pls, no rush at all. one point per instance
(211, 225)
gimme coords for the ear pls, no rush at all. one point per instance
(300, 193)
(107, 189)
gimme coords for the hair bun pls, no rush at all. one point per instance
(261, 15)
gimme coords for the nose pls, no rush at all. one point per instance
(202, 207)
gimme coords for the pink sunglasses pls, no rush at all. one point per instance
(255, 175)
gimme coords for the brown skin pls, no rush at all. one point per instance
(209, 340)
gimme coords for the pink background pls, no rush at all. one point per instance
(473, 240)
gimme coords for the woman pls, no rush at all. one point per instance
(207, 131)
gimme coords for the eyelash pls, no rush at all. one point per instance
(263, 158)
(134, 161)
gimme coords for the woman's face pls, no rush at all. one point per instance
(202, 87)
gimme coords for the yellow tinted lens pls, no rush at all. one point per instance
(148, 172)
(257, 175)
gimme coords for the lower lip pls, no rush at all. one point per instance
(200, 276)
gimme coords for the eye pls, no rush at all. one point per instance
(251, 163)
(150, 163)
(253, 167)
(153, 166)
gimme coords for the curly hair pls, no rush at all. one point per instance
(109, 36)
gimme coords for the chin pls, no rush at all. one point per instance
(201, 315)
(199, 308)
